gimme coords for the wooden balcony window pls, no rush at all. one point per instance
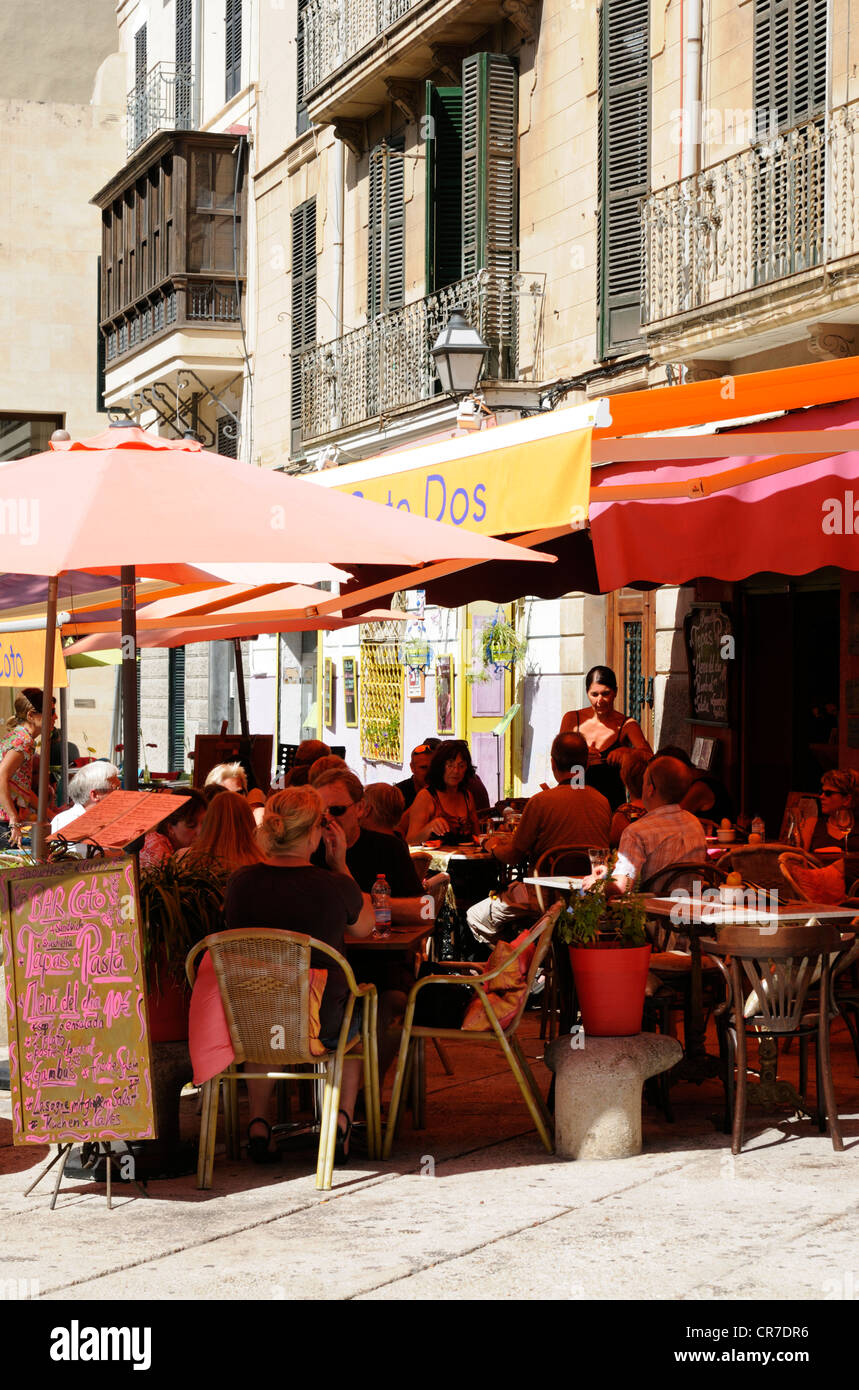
(173, 245)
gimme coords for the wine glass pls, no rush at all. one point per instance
(598, 857)
(843, 821)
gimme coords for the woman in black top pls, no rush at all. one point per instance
(289, 892)
(607, 733)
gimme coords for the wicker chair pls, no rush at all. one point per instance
(413, 1034)
(780, 970)
(264, 980)
(759, 865)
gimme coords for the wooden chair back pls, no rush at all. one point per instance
(780, 968)
(560, 859)
(684, 875)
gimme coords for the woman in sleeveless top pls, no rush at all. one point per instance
(607, 733)
(443, 809)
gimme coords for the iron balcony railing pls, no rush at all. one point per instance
(335, 30)
(782, 206)
(167, 98)
(184, 300)
(386, 365)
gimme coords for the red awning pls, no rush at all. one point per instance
(728, 518)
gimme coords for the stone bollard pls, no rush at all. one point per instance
(598, 1091)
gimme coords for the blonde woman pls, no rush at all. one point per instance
(287, 891)
(18, 801)
(231, 776)
(227, 838)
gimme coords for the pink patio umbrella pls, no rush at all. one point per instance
(134, 500)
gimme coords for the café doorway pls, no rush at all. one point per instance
(790, 659)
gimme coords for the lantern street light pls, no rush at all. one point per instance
(459, 354)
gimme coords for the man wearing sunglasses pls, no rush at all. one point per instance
(367, 852)
(419, 766)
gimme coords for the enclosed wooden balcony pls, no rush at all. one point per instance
(173, 244)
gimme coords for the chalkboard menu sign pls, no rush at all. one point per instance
(711, 648)
(350, 691)
(79, 1058)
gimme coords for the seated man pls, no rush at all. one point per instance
(569, 814)
(419, 767)
(666, 835)
(89, 785)
(369, 853)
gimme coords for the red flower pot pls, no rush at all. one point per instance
(610, 982)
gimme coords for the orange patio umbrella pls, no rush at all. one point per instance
(137, 500)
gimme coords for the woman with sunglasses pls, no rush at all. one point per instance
(445, 807)
(835, 827)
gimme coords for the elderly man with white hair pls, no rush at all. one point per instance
(87, 786)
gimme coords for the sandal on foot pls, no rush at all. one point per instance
(258, 1144)
(341, 1157)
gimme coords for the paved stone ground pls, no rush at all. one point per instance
(470, 1208)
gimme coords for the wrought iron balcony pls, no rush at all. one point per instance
(782, 207)
(386, 366)
(334, 32)
(167, 98)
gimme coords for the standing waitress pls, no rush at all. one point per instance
(607, 733)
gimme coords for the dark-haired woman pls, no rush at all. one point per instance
(177, 831)
(607, 732)
(444, 807)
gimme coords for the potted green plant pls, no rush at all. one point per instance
(180, 903)
(502, 648)
(610, 956)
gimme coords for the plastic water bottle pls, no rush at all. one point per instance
(380, 896)
(759, 827)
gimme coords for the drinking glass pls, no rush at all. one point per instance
(598, 858)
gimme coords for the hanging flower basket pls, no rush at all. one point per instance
(503, 649)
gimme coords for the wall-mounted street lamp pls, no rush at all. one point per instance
(459, 354)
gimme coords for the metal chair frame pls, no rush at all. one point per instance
(328, 1067)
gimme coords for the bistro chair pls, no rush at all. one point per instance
(413, 1034)
(264, 980)
(779, 971)
(421, 863)
(759, 865)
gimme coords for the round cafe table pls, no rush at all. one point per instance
(474, 873)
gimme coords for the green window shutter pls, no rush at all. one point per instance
(444, 186)
(789, 62)
(301, 119)
(624, 167)
(176, 710)
(140, 55)
(303, 303)
(233, 45)
(386, 230)
(183, 64)
(490, 117)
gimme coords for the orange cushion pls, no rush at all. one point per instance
(318, 980)
(825, 885)
(506, 989)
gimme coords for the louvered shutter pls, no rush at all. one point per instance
(303, 304)
(183, 64)
(140, 56)
(176, 710)
(624, 170)
(301, 122)
(233, 43)
(790, 62)
(386, 229)
(489, 193)
(444, 186)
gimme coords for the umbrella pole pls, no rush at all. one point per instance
(42, 826)
(130, 752)
(240, 687)
(64, 740)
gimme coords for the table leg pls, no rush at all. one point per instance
(769, 1090)
(697, 1064)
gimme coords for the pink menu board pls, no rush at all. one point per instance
(79, 1059)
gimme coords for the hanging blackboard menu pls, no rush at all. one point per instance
(79, 1059)
(350, 691)
(710, 646)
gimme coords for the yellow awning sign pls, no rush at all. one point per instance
(22, 659)
(521, 477)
